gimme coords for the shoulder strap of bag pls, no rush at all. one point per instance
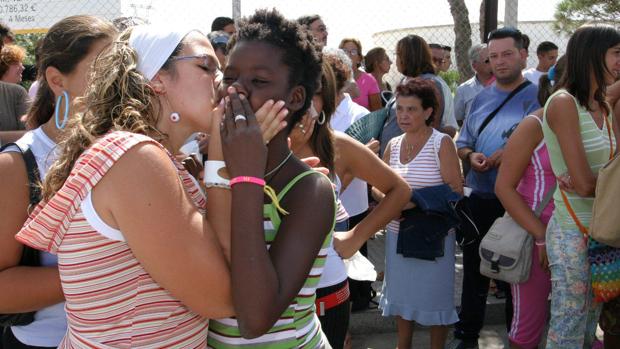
(32, 170)
(488, 119)
(544, 202)
(30, 256)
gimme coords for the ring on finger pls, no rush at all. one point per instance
(240, 117)
(301, 126)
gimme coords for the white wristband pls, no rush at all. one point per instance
(214, 174)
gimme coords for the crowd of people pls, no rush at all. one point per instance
(114, 235)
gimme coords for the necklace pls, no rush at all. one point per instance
(275, 169)
(408, 150)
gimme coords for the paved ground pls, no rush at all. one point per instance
(371, 330)
(492, 337)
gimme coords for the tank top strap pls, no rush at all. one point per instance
(271, 212)
(535, 118)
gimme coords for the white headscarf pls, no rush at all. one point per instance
(154, 45)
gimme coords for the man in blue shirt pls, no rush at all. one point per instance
(483, 150)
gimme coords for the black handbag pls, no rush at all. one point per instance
(30, 256)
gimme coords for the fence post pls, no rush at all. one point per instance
(511, 13)
(236, 9)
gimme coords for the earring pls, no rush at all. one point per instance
(65, 118)
(175, 117)
(321, 119)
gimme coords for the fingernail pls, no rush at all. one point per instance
(231, 89)
(284, 123)
(222, 102)
(241, 96)
(281, 104)
(285, 112)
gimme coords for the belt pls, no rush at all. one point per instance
(332, 300)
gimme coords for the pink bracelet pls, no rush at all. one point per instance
(247, 179)
(539, 243)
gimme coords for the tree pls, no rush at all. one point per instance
(570, 14)
(462, 41)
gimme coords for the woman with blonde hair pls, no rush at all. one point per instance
(67, 52)
(140, 264)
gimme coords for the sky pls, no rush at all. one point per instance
(348, 18)
(344, 18)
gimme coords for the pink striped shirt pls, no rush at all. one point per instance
(538, 179)
(111, 301)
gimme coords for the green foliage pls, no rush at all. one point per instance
(29, 42)
(451, 77)
(570, 14)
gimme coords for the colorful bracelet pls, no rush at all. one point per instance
(247, 179)
(539, 243)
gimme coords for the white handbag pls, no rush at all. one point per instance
(506, 250)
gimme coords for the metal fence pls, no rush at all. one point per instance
(374, 23)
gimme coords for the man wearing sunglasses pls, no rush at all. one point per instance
(465, 93)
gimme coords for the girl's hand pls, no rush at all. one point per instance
(271, 117)
(242, 141)
(302, 131)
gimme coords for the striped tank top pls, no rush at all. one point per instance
(422, 171)
(538, 179)
(596, 144)
(111, 301)
(298, 326)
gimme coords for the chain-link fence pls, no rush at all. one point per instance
(374, 23)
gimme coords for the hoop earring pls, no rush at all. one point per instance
(65, 118)
(175, 117)
(321, 119)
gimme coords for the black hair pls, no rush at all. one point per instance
(5, 32)
(447, 48)
(220, 22)
(434, 45)
(526, 42)
(545, 47)
(545, 84)
(508, 32)
(299, 51)
(585, 59)
(308, 20)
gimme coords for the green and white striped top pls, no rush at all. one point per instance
(298, 326)
(596, 144)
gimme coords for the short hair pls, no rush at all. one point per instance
(341, 66)
(219, 40)
(415, 56)
(299, 52)
(434, 45)
(220, 22)
(9, 55)
(446, 48)
(425, 90)
(545, 47)
(474, 52)
(357, 44)
(373, 58)
(308, 20)
(508, 32)
(526, 42)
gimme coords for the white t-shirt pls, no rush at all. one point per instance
(50, 323)
(354, 197)
(533, 75)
